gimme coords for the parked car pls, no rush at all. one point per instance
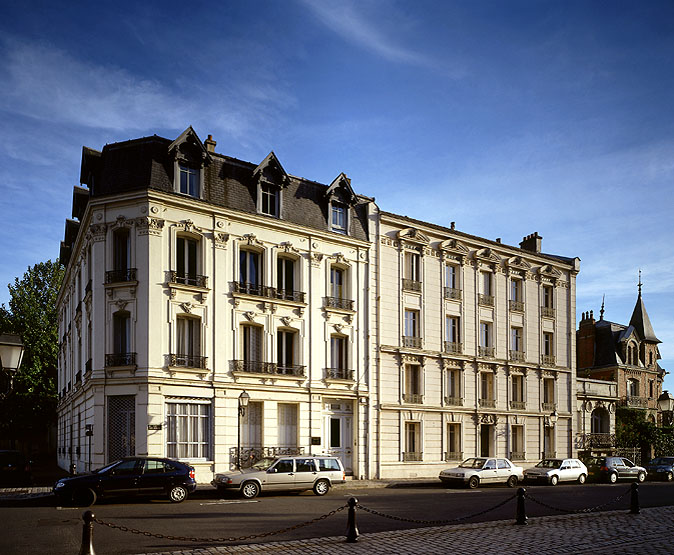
(483, 470)
(613, 469)
(15, 468)
(293, 473)
(129, 477)
(661, 468)
(552, 471)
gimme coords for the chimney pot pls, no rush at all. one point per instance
(210, 144)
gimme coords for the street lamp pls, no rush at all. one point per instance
(549, 422)
(666, 406)
(243, 403)
(11, 353)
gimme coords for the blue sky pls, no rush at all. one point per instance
(506, 117)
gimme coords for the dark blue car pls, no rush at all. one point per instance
(661, 468)
(127, 477)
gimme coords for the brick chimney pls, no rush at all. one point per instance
(210, 144)
(585, 341)
(532, 243)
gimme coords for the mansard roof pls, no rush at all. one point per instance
(642, 322)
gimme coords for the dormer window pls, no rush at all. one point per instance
(189, 181)
(270, 200)
(338, 218)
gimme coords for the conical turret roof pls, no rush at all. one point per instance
(642, 323)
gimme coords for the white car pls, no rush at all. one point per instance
(483, 470)
(552, 471)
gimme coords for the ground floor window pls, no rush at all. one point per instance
(413, 451)
(188, 430)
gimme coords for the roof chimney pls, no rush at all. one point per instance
(532, 242)
(210, 144)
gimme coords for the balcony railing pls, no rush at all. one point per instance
(337, 302)
(267, 292)
(248, 456)
(187, 361)
(518, 456)
(633, 401)
(414, 342)
(454, 401)
(120, 276)
(339, 374)
(596, 441)
(485, 352)
(547, 312)
(193, 280)
(414, 398)
(548, 407)
(485, 300)
(453, 348)
(413, 456)
(289, 295)
(120, 359)
(518, 405)
(517, 306)
(548, 360)
(517, 356)
(453, 455)
(259, 367)
(452, 293)
(411, 285)
(488, 403)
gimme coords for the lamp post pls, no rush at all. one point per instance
(243, 403)
(11, 353)
(549, 422)
(666, 406)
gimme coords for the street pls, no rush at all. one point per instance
(39, 526)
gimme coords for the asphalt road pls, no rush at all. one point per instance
(40, 526)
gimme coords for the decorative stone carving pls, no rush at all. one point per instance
(149, 226)
(98, 231)
(220, 239)
(414, 235)
(286, 320)
(339, 258)
(487, 419)
(287, 247)
(250, 315)
(252, 240)
(189, 227)
(316, 259)
(187, 307)
(452, 245)
(121, 304)
(338, 328)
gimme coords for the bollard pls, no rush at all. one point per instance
(87, 547)
(521, 512)
(351, 528)
(634, 502)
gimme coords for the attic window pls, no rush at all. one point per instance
(338, 218)
(270, 200)
(189, 181)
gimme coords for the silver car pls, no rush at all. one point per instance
(552, 471)
(483, 470)
(295, 473)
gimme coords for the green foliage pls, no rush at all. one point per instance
(633, 430)
(32, 314)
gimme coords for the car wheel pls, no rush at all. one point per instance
(473, 482)
(554, 480)
(250, 490)
(84, 497)
(582, 478)
(641, 476)
(613, 477)
(512, 481)
(321, 487)
(177, 494)
(669, 477)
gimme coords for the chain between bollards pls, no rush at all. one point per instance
(351, 528)
(87, 547)
(521, 511)
(634, 501)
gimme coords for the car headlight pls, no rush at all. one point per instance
(59, 485)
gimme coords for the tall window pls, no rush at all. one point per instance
(285, 275)
(517, 448)
(451, 277)
(548, 394)
(548, 344)
(251, 425)
(633, 387)
(188, 338)
(517, 389)
(188, 430)
(486, 386)
(285, 350)
(411, 323)
(516, 290)
(337, 286)
(186, 260)
(516, 340)
(413, 388)
(189, 181)
(453, 387)
(270, 199)
(338, 355)
(287, 425)
(252, 343)
(412, 441)
(338, 220)
(121, 332)
(452, 329)
(453, 442)
(250, 270)
(547, 297)
(412, 266)
(121, 250)
(486, 283)
(485, 334)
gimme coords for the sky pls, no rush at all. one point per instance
(505, 117)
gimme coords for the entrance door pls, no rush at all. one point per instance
(485, 440)
(339, 432)
(121, 426)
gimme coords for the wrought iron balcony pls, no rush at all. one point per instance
(452, 293)
(548, 407)
(193, 280)
(547, 312)
(596, 441)
(548, 360)
(289, 295)
(338, 302)
(517, 306)
(485, 352)
(454, 401)
(339, 374)
(453, 348)
(267, 292)
(518, 456)
(518, 405)
(487, 403)
(517, 356)
(187, 361)
(413, 456)
(633, 401)
(259, 367)
(411, 285)
(120, 276)
(485, 300)
(453, 455)
(414, 398)
(288, 370)
(413, 342)
(120, 359)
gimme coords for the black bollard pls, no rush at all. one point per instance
(521, 512)
(87, 547)
(634, 502)
(351, 528)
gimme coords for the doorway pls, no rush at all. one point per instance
(338, 431)
(486, 440)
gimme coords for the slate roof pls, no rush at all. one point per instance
(642, 322)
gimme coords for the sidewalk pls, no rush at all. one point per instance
(613, 532)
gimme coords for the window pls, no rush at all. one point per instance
(412, 441)
(121, 333)
(252, 343)
(548, 342)
(338, 218)
(517, 447)
(120, 250)
(285, 351)
(285, 277)
(485, 283)
(413, 388)
(651, 389)
(486, 386)
(251, 426)
(633, 387)
(189, 181)
(548, 394)
(287, 425)
(186, 261)
(337, 289)
(339, 358)
(412, 262)
(453, 442)
(188, 430)
(516, 295)
(188, 342)
(452, 336)
(547, 297)
(453, 387)
(451, 277)
(485, 347)
(516, 345)
(270, 200)
(250, 270)
(411, 323)
(517, 382)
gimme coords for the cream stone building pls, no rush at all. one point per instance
(474, 351)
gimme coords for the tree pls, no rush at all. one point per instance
(31, 406)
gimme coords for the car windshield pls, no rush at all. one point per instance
(595, 461)
(263, 464)
(473, 463)
(549, 463)
(106, 468)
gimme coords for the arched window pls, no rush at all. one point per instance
(600, 421)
